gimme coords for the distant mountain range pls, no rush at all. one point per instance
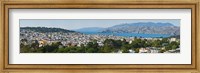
(140, 27)
(90, 29)
(145, 27)
(46, 30)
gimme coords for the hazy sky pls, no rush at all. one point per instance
(72, 24)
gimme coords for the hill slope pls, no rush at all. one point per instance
(45, 29)
(145, 27)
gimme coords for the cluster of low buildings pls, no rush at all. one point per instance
(78, 39)
(157, 50)
(67, 39)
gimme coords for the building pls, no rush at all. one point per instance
(42, 43)
(144, 50)
(172, 39)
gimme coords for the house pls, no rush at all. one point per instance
(42, 43)
(144, 50)
(172, 39)
(130, 41)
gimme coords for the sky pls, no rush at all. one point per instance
(73, 24)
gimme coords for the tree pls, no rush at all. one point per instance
(62, 50)
(157, 43)
(89, 44)
(138, 43)
(80, 50)
(137, 50)
(162, 50)
(165, 40)
(24, 40)
(125, 50)
(24, 48)
(106, 49)
(91, 50)
(35, 45)
(174, 46)
(39, 50)
(168, 47)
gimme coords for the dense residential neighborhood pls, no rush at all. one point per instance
(57, 40)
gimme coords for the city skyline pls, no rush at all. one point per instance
(73, 24)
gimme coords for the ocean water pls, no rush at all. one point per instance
(131, 34)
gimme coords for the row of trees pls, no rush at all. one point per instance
(110, 46)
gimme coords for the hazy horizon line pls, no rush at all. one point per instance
(97, 26)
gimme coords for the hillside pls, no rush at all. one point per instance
(145, 27)
(45, 29)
